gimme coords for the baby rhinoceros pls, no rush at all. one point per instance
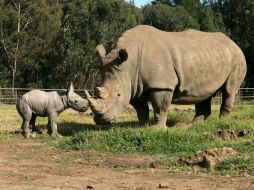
(47, 104)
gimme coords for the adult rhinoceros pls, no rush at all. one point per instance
(162, 67)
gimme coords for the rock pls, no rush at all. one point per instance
(210, 161)
(227, 134)
(210, 158)
(196, 169)
(89, 187)
(155, 164)
(163, 186)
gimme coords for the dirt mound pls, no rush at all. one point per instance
(227, 134)
(210, 158)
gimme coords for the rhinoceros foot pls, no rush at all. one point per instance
(224, 114)
(29, 135)
(198, 119)
(161, 127)
(56, 135)
(33, 135)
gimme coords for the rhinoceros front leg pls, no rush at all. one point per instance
(52, 126)
(203, 110)
(142, 110)
(161, 100)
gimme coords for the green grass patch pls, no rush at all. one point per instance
(241, 164)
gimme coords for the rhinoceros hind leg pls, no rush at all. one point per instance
(25, 129)
(228, 99)
(203, 110)
(26, 113)
(142, 110)
(161, 99)
(32, 124)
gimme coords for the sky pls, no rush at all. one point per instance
(140, 3)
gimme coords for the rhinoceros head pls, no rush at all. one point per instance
(114, 93)
(75, 102)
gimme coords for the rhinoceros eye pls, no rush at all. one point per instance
(76, 101)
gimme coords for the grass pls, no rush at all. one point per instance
(182, 139)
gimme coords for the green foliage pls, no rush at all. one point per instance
(27, 30)
(57, 40)
(85, 24)
(168, 18)
(166, 2)
(238, 17)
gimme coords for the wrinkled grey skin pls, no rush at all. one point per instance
(187, 67)
(47, 104)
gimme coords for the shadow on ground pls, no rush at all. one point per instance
(70, 128)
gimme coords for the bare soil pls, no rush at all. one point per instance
(26, 164)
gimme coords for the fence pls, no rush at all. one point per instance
(9, 95)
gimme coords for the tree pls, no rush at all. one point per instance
(238, 17)
(165, 2)
(26, 29)
(10, 44)
(85, 24)
(168, 18)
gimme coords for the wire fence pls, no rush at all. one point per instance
(10, 95)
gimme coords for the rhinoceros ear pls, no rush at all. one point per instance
(123, 55)
(101, 51)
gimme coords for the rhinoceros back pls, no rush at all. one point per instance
(42, 102)
(193, 64)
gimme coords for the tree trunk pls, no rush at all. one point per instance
(14, 64)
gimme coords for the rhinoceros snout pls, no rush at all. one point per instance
(84, 108)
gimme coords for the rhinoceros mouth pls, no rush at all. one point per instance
(83, 109)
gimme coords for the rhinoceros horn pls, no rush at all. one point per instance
(102, 92)
(97, 106)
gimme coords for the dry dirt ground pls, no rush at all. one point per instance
(26, 164)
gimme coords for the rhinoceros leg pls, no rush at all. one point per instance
(203, 110)
(142, 110)
(228, 99)
(32, 124)
(161, 100)
(25, 128)
(26, 113)
(52, 126)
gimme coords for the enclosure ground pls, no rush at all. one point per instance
(26, 164)
(39, 164)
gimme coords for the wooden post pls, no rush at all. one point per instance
(0, 93)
